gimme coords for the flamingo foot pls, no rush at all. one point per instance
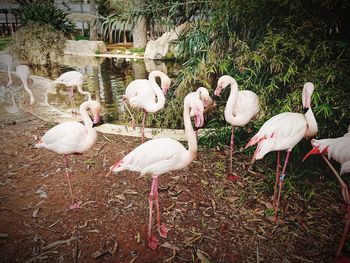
(163, 231)
(232, 178)
(75, 205)
(153, 242)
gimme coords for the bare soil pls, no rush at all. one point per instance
(209, 217)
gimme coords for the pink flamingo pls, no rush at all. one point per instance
(147, 95)
(71, 79)
(73, 137)
(6, 59)
(162, 155)
(23, 72)
(283, 132)
(339, 150)
(240, 108)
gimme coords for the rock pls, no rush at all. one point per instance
(158, 49)
(84, 47)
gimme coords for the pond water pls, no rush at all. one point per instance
(107, 79)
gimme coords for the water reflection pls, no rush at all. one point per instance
(107, 79)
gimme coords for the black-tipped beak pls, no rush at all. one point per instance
(305, 110)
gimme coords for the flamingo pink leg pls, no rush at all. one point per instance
(72, 102)
(74, 204)
(143, 126)
(277, 178)
(346, 197)
(152, 240)
(281, 179)
(230, 176)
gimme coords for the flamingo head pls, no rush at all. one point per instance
(166, 85)
(205, 97)
(196, 106)
(95, 109)
(223, 82)
(306, 95)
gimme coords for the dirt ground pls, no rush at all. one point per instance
(210, 218)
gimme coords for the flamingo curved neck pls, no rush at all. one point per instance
(231, 103)
(312, 128)
(190, 134)
(154, 107)
(85, 116)
(81, 91)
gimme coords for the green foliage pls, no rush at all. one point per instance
(37, 44)
(4, 42)
(80, 37)
(137, 50)
(44, 12)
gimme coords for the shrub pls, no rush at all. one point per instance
(37, 44)
(44, 12)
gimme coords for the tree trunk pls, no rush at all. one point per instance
(140, 33)
(93, 25)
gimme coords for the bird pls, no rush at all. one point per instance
(204, 96)
(282, 132)
(6, 59)
(73, 137)
(71, 79)
(337, 149)
(161, 155)
(241, 107)
(147, 95)
(23, 72)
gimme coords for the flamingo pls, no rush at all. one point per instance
(339, 150)
(23, 72)
(161, 155)
(147, 95)
(71, 79)
(283, 132)
(6, 59)
(240, 108)
(204, 96)
(73, 137)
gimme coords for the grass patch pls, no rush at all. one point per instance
(80, 37)
(137, 50)
(4, 42)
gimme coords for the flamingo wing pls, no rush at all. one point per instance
(152, 152)
(64, 138)
(70, 78)
(281, 132)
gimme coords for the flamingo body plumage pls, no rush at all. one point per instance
(283, 132)
(158, 156)
(73, 137)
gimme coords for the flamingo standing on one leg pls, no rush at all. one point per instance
(339, 150)
(283, 132)
(147, 95)
(6, 59)
(73, 137)
(162, 155)
(23, 72)
(240, 108)
(71, 79)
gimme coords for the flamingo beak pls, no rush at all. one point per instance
(218, 90)
(198, 119)
(96, 119)
(315, 150)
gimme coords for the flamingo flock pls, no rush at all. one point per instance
(160, 156)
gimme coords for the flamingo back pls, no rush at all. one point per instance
(70, 78)
(281, 132)
(150, 157)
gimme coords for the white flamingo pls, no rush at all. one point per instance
(23, 72)
(71, 79)
(241, 107)
(73, 137)
(162, 155)
(283, 132)
(147, 95)
(6, 59)
(339, 150)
